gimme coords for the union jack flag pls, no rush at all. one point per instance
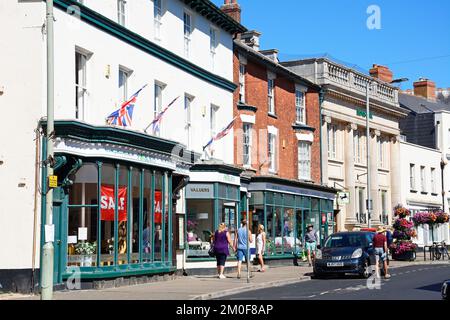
(221, 134)
(124, 115)
(157, 121)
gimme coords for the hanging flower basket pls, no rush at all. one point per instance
(430, 218)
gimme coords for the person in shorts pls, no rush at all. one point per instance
(241, 241)
(311, 241)
(380, 250)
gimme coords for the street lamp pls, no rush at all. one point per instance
(368, 85)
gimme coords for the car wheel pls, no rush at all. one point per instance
(317, 275)
(365, 272)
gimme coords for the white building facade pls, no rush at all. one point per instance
(421, 188)
(343, 144)
(104, 52)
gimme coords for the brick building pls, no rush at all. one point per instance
(277, 141)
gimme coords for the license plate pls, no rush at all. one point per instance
(335, 264)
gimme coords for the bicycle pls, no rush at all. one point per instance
(438, 250)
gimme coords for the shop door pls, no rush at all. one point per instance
(229, 218)
(58, 244)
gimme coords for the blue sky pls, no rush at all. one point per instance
(414, 39)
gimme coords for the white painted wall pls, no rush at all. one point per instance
(23, 77)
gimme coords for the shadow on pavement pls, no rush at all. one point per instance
(432, 287)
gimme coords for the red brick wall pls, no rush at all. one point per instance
(256, 95)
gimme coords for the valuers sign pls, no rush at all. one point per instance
(200, 191)
(108, 203)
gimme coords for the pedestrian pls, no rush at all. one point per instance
(261, 246)
(221, 241)
(380, 249)
(390, 239)
(311, 240)
(241, 242)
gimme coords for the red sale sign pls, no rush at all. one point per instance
(158, 207)
(108, 205)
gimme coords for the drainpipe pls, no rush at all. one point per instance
(443, 163)
(321, 99)
(36, 192)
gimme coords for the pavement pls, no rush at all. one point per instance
(204, 287)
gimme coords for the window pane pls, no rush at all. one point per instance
(278, 230)
(270, 247)
(134, 216)
(82, 253)
(288, 231)
(84, 188)
(107, 216)
(166, 217)
(147, 239)
(123, 228)
(200, 227)
(158, 216)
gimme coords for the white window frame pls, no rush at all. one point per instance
(359, 147)
(304, 160)
(247, 132)
(188, 99)
(300, 109)
(157, 18)
(423, 179)
(433, 180)
(412, 176)
(360, 205)
(213, 44)
(332, 141)
(213, 119)
(81, 91)
(123, 90)
(187, 32)
(242, 72)
(122, 12)
(271, 95)
(272, 151)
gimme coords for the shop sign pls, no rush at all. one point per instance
(343, 198)
(324, 218)
(200, 191)
(108, 205)
(158, 207)
(362, 113)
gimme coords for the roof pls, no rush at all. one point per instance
(421, 105)
(278, 67)
(213, 13)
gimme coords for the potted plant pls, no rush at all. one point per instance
(86, 250)
(403, 248)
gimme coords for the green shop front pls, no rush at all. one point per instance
(285, 208)
(113, 206)
(212, 197)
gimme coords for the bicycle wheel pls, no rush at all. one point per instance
(437, 254)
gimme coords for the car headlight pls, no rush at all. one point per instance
(357, 253)
(319, 254)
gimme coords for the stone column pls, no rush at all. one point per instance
(374, 187)
(324, 149)
(395, 167)
(350, 218)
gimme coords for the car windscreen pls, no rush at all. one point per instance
(346, 240)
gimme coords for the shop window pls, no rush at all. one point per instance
(107, 215)
(278, 199)
(166, 217)
(122, 245)
(256, 218)
(257, 198)
(289, 200)
(82, 237)
(289, 239)
(299, 230)
(306, 202)
(158, 221)
(269, 197)
(134, 215)
(270, 246)
(222, 191)
(200, 227)
(278, 226)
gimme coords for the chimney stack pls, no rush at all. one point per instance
(425, 88)
(381, 72)
(271, 54)
(251, 38)
(233, 9)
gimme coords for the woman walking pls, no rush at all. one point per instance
(221, 242)
(261, 246)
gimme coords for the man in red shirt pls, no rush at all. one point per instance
(380, 249)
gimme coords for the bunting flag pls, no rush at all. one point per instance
(124, 115)
(221, 134)
(157, 121)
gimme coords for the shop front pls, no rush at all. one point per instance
(113, 205)
(212, 197)
(285, 208)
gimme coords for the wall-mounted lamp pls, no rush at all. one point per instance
(107, 71)
(2, 90)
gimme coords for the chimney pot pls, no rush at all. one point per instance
(233, 9)
(425, 88)
(381, 72)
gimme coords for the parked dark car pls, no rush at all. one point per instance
(345, 252)
(445, 290)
